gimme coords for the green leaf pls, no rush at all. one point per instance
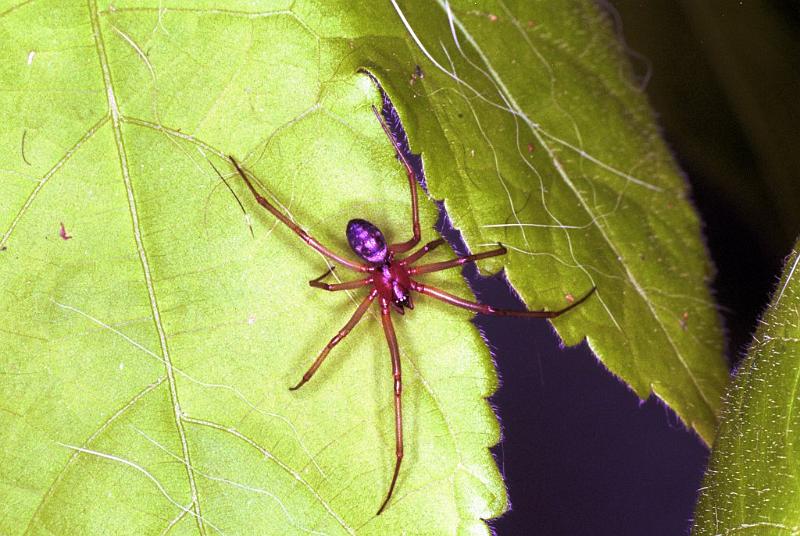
(552, 152)
(726, 70)
(750, 485)
(149, 345)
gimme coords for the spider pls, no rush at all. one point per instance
(391, 280)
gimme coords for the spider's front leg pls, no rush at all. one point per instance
(412, 184)
(299, 231)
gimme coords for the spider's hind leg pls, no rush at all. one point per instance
(394, 351)
(452, 299)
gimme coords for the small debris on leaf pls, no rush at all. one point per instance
(22, 147)
(62, 232)
(418, 74)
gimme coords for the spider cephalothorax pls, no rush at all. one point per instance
(390, 280)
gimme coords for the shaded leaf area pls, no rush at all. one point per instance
(725, 96)
(148, 355)
(751, 483)
(736, 61)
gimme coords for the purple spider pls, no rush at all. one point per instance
(390, 281)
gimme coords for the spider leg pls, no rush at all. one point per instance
(412, 184)
(323, 276)
(307, 238)
(488, 309)
(436, 266)
(359, 312)
(391, 338)
(347, 285)
(228, 186)
(421, 252)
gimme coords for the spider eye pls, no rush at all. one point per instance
(367, 241)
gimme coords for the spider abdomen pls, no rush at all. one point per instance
(367, 241)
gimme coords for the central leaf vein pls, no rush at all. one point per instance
(146, 270)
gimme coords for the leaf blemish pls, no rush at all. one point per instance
(62, 232)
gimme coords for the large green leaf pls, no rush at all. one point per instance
(147, 358)
(751, 483)
(561, 161)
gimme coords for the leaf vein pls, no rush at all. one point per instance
(137, 233)
(47, 176)
(102, 428)
(268, 455)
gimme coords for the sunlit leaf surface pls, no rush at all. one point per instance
(751, 483)
(149, 336)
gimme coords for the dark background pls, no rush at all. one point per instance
(581, 454)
